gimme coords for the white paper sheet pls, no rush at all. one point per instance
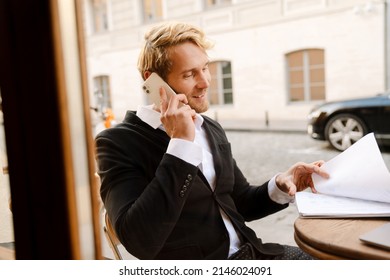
(358, 172)
(325, 206)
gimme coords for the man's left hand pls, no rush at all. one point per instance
(298, 177)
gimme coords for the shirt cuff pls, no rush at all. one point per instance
(277, 195)
(185, 150)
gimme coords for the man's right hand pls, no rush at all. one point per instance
(178, 120)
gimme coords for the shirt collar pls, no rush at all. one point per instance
(198, 121)
(152, 117)
(149, 116)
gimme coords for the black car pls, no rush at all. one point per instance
(342, 123)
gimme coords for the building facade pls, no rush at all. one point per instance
(272, 59)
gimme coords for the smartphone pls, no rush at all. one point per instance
(152, 87)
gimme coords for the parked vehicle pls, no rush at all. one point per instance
(342, 123)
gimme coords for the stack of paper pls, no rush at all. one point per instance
(359, 185)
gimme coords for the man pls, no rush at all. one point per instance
(169, 182)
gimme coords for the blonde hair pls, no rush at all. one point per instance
(154, 56)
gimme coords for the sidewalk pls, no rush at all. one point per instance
(288, 126)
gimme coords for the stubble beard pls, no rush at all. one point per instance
(199, 108)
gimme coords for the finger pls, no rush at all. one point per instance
(175, 100)
(193, 114)
(311, 185)
(188, 109)
(319, 163)
(315, 168)
(163, 100)
(318, 170)
(292, 188)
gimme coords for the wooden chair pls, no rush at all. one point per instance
(111, 237)
(109, 231)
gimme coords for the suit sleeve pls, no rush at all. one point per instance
(253, 202)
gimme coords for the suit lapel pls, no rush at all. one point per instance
(214, 138)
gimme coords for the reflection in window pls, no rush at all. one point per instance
(99, 13)
(152, 10)
(216, 3)
(102, 93)
(306, 75)
(221, 85)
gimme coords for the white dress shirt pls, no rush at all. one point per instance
(198, 153)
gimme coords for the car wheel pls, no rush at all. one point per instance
(344, 130)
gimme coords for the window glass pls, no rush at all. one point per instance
(102, 93)
(99, 13)
(102, 114)
(152, 10)
(317, 75)
(227, 83)
(317, 92)
(295, 59)
(296, 93)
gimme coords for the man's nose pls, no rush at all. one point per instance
(203, 80)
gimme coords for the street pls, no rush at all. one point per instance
(261, 155)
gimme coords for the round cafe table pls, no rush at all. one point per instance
(338, 238)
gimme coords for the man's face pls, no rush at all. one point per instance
(190, 74)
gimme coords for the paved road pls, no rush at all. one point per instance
(260, 155)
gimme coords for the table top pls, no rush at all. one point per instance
(338, 238)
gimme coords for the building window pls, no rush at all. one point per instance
(216, 3)
(221, 85)
(102, 93)
(152, 10)
(306, 75)
(99, 14)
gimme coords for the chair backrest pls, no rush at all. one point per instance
(111, 237)
(109, 231)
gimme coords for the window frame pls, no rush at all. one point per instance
(306, 69)
(41, 169)
(221, 91)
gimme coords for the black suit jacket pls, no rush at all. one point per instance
(163, 207)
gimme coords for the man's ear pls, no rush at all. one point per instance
(147, 74)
